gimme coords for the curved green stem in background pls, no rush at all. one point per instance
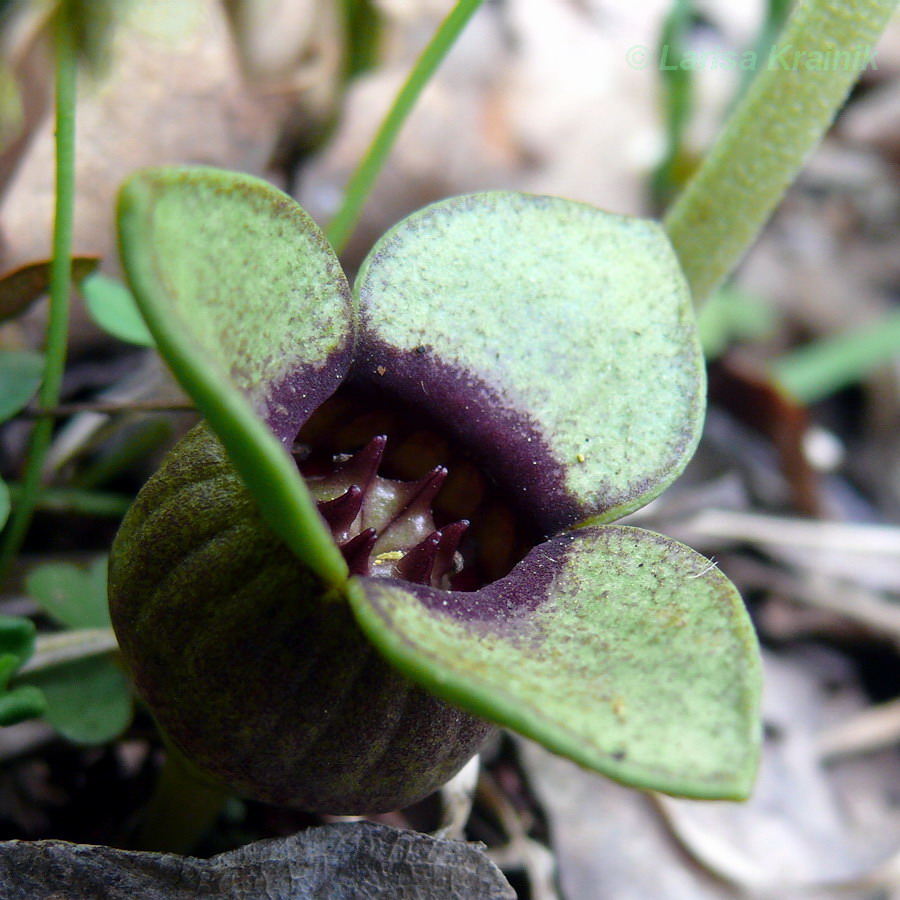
(60, 279)
(341, 226)
(779, 121)
(77, 501)
(811, 373)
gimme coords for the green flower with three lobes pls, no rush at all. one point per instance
(392, 533)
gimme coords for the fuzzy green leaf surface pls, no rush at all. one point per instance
(639, 661)
(249, 307)
(570, 326)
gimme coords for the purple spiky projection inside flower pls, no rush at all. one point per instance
(383, 526)
(509, 374)
(406, 504)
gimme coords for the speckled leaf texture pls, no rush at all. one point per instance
(617, 647)
(247, 302)
(551, 329)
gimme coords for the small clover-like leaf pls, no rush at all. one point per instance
(72, 596)
(17, 637)
(21, 372)
(112, 306)
(87, 700)
(555, 339)
(619, 648)
(71, 676)
(21, 703)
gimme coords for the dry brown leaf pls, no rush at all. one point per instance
(609, 841)
(21, 287)
(173, 93)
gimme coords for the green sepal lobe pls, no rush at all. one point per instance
(617, 647)
(248, 304)
(557, 339)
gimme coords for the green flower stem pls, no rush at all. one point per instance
(341, 226)
(778, 122)
(182, 809)
(677, 88)
(60, 279)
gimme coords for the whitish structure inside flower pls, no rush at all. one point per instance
(402, 503)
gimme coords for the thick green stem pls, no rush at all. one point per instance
(341, 226)
(60, 279)
(778, 122)
(182, 809)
